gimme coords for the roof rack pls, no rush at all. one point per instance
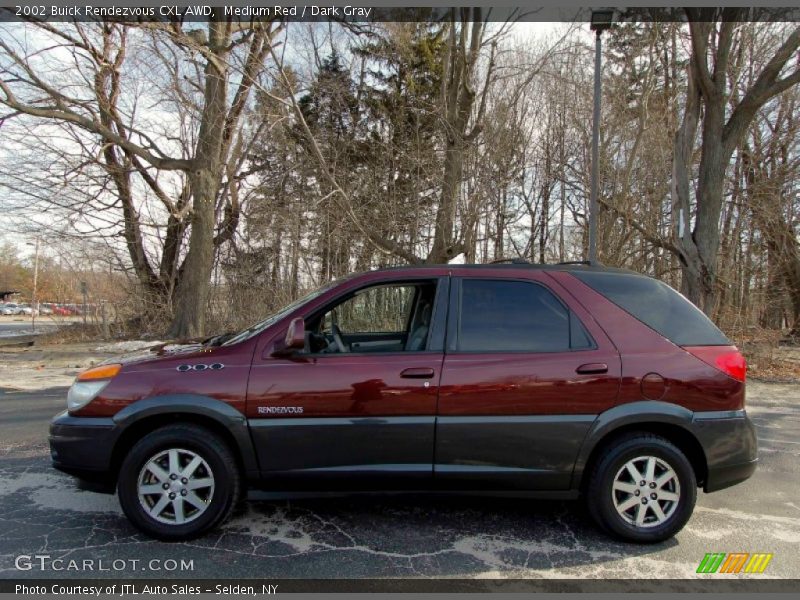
(513, 261)
(588, 263)
(522, 261)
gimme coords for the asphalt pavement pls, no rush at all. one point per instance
(11, 326)
(41, 512)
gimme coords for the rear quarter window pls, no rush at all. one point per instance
(658, 306)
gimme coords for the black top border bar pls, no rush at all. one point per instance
(181, 12)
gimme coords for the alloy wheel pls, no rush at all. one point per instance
(646, 491)
(175, 486)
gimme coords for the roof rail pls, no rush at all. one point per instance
(589, 263)
(513, 261)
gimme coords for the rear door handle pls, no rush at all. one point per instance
(417, 373)
(592, 368)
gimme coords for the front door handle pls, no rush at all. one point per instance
(592, 368)
(417, 373)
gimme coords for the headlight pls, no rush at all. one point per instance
(88, 384)
(83, 392)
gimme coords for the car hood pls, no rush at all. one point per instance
(160, 352)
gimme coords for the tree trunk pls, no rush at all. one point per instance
(442, 250)
(191, 295)
(458, 97)
(793, 281)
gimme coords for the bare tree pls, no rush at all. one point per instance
(460, 125)
(221, 155)
(769, 171)
(722, 112)
(207, 164)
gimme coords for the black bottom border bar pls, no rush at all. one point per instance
(121, 587)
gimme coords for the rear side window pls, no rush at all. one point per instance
(658, 306)
(515, 316)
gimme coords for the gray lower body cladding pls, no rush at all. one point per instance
(511, 453)
(82, 446)
(729, 441)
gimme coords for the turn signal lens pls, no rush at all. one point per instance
(88, 384)
(101, 372)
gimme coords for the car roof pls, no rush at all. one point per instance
(585, 266)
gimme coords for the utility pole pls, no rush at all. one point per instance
(84, 293)
(34, 303)
(601, 20)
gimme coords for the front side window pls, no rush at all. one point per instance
(515, 316)
(380, 309)
(380, 318)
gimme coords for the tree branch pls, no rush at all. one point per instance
(650, 237)
(93, 126)
(767, 86)
(699, 32)
(383, 244)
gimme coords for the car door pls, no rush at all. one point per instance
(525, 375)
(366, 415)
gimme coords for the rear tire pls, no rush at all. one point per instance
(178, 482)
(643, 489)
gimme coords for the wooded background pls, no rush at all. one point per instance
(206, 176)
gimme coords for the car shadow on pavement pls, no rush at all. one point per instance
(428, 535)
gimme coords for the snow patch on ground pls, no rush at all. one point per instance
(40, 367)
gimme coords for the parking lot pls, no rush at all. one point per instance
(16, 325)
(41, 512)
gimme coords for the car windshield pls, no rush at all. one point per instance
(262, 325)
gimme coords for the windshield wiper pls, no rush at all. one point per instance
(218, 340)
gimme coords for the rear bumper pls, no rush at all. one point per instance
(726, 476)
(729, 442)
(82, 446)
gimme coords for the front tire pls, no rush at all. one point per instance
(178, 482)
(643, 489)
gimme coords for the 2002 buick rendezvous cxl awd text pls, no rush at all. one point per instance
(553, 381)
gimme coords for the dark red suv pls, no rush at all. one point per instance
(553, 381)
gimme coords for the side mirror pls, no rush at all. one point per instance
(296, 335)
(295, 338)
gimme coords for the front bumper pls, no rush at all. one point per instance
(82, 446)
(729, 442)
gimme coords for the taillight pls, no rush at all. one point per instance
(734, 364)
(727, 359)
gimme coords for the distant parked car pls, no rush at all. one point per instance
(45, 309)
(27, 309)
(60, 310)
(11, 308)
